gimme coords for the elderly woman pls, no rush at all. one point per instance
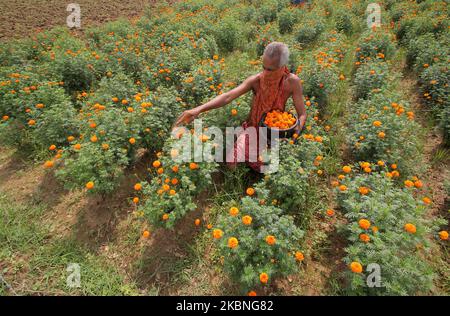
(271, 89)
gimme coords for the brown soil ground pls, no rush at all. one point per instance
(22, 18)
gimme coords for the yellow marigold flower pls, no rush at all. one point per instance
(233, 242)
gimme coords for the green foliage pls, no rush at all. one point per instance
(38, 114)
(253, 255)
(397, 144)
(434, 85)
(308, 32)
(369, 77)
(74, 71)
(171, 193)
(106, 134)
(286, 21)
(228, 35)
(202, 83)
(319, 82)
(344, 22)
(425, 51)
(374, 44)
(398, 252)
(92, 163)
(291, 185)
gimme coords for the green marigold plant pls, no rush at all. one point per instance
(434, 85)
(286, 21)
(386, 227)
(375, 44)
(382, 128)
(369, 77)
(308, 32)
(171, 193)
(290, 185)
(425, 51)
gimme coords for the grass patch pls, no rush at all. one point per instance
(33, 263)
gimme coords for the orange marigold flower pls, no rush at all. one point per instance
(90, 185)
(364, 190)
(251, 293)
(342, 188)
(347, 169)
(234, 211)
(356, 267)
(264, 277)
(217, 233)
(330, 212)
(364, 223)
(146, 234)
(299, 256)
(409, 183)
(418, 184)
(410, 228)
(247, 220)
(137, 186)
(156, 164)
(364, 237)
(426, 200)
(250, 191)
(443, 235)
(233, 242)
(48, 164)
(197, 222)
(271, 240)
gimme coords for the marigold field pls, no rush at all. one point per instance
(88, 175)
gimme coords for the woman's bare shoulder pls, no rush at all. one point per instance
(254, 80)
(293, 78)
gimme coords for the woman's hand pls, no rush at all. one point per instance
(186, 117)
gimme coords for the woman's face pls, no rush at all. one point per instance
(270, 64)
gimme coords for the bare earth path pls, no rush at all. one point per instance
(21, 18)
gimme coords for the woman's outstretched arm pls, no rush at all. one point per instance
(189, 115)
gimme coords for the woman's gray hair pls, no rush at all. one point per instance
(278, 51)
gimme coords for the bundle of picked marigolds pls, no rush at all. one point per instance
(279, 120)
